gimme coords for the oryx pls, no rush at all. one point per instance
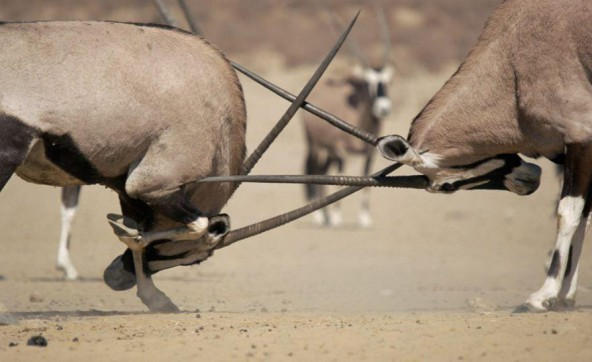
(525, 87)
(362, 98)
(145, 110)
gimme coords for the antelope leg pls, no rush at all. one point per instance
(149, 294)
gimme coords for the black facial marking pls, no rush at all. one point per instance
(15, 138)
(381, 91)
(495, 179)
(558, 159)
(64, 153)
(554, 267)
(177, 208)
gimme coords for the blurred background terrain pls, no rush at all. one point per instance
(425, 33)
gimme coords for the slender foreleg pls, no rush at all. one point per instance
(317, 162)
(334, 211)
(571, 219)
(364, 217)
(70, 195)
(148, 293)
(567, 295)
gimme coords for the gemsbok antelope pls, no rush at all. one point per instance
(145, 110)
(525, 87)
(361, 98)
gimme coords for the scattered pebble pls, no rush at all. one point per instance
(75, 339)
(59, 328)
(553, 331)
(478, 304)
(35, 298)
(12, 344)
(198, 315)
(38, 341)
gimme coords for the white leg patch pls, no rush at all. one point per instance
(318, 217)
(335, 217)
(570, 212)
(63, 262)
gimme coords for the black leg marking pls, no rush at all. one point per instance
(70, 195)
(15, 138)
(569, 261)
(554, 267)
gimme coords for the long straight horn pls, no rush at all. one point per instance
(165, 13)
(336, 24)
(410, 182)
(329, 117)
(311, 108)
(274, 222)
(386, 33)
(283, 122)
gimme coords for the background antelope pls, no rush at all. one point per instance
(362, 98)
(524, 88)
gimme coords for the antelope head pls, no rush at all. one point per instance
(370, 83)
(506, 171)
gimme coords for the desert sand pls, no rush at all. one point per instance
(435, 278)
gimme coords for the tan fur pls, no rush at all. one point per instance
(524, 88)
(333, 95)
(160, 105)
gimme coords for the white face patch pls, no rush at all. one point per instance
(373, 77)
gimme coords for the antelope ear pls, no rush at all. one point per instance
(396, 148)
(219, 225)
(393, 147)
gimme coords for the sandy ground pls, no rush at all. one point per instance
(436, 278)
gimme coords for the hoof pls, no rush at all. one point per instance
(69, 273)
(537, 306)
(564, 305)
(119, 275)
(365, 220)
(159, 303)
(335, 219)
(319, 218)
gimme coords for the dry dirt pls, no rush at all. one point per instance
(436, 278)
